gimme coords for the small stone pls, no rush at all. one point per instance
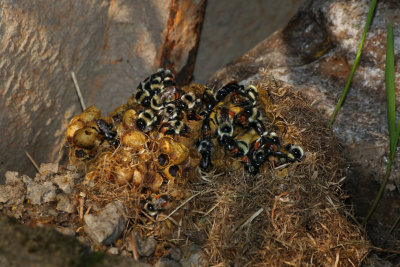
(147, 246)
(113, 251)
(196, 258)
(48, 168)
(26, 179)
(106, 226)
(13, 192)
(12, 178)
(65, 204)
(65, 182)
(40, 193)
(175, 253)
(165, 262)
(66, 231)
(46, 171)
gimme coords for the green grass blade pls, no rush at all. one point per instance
(394, 130)
(390, 90)
(380, 192)
(346, 88)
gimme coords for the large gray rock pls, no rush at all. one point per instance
(231, 28)
(107, 225)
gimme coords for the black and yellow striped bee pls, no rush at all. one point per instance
(146, 120)
(155, 204)
(175, 127)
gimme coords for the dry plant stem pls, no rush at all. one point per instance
(81, 202)
(88, 210)
(386, 250)
(255, 214)
(33, 161)
(78, 91)
(134, 247)
(273, 210)
(181, 205)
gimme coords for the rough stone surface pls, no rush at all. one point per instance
(147, 246)
(196, 257)
(110, 45)
(175, 253)
(66, 181)
(106, 226)
(314, 53)
(165, 262)
(13, 192)
(40, 193)
(25, 246)
(231, 28)
(48, 168)
(65, 204)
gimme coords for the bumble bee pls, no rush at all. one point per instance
(143, 97)
(105, 129)
(296, 153)
(171, 94)
(189, 99)
(169, 112)
(292, 154)
(244, 142)
(209, 101)
(155, 204)
(205, 147)
(250, 117)
(174, 127)
(269, 139)
(251, 92)
(155, 102)
(220, 94)
(146, 119)
(225, 118)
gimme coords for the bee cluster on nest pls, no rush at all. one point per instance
(210, 167)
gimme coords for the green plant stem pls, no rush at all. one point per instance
(380, 192)
(346, 88)
(394, 130)
(390, 88)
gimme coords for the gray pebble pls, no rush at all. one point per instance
(107, 225)
(165, 262)
(65, 204)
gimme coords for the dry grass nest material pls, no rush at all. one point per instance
(286, 216)
(293, 216)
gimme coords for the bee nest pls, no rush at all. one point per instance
(242, 165)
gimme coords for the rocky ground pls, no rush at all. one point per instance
(52, 198)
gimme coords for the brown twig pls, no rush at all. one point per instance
(78, 91)
(82, 196)
(273, 210)
(181, 205)
(33, 161)
(134, 246)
